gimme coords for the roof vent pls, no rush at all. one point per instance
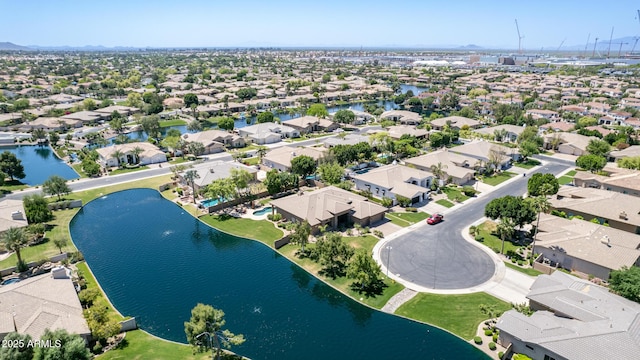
(211, 170)
(605, 240)
(17, 215)
(623, 215)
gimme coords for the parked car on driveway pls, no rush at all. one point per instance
(435, 218)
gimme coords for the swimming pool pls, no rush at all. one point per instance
(211, 202)
(263, 211)
(10, 281)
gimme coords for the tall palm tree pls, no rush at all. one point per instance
(261, 152)
(438, 170)
(542, 204)
(136, 153)
(190, 176)
(14, 240)
(506, 228)
(117, 154)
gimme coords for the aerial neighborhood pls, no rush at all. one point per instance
(395, 180)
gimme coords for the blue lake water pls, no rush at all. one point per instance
(156, 262)
(416, 89)
(40, 163)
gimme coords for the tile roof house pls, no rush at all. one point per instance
(512, 131)
(457, 122)
(41, 302)
(459, 169)
(214, 170)
(150, 154)
(575, 319)
(309, 124)
(619, 211)
(397, 131)
(267, 133)
(215, 141)
(393, 180)
(586, 247)
(331, 206)
(348, 139)
(280, 158)
(86, 116)
(485, 151)
(402, 116)
(619, 180)
(569, 143)
(631, 151)
(12, 214)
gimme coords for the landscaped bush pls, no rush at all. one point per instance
(411, 209)
(495, 338)
(492, 346)
(468, 190)
(378, 233)
(477, 340)
(274, 217)
(500, 355)
(520, 262)
(75, 256)
(488, 332)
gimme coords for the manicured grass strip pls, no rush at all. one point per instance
(528, 271)
(343, 284)
(527, 164)
(396, 220)
(59, 229)
(445, 203)
(459, 314)
(492, 241)
(571, 173)
(127, 170)
(412, 217)
(152, 183)
(101, 300)
(453, 193)
(12, 185)
(251, 161)
(175, 122)
(78, 168)
(563, 180)
(178, 160)
(261, 230)
(498, 178)
(140, 345)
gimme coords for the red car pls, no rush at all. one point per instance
(435, 218)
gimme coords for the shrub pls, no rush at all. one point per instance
(274, 217)
(179, 191)
(378, 233)
(477, 340)
(468, 190)
(495, 338)
(365, 230)
(488, 332)
(520, 262)
(492, 346)
(500, 355)
(75, 256)
(97, 348)
(411, 209)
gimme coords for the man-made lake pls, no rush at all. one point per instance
(40, 163)
(156, 262)
(415, 89)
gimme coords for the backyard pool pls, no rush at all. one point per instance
(210, 202)
(283, 311)
(263, 211)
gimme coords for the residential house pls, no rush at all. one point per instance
(125, 111)
(280, 158)
(308, 124)
(329, 206)
(455, 122)
(47, 301)
(49, 124)
(398, 131)
(85, 116)
(631, 151)
(402, 116)
(574, 319)
(459, 169)
(211, 171)
(215, 141)
(12, 214)
(392, 181)
(348, 139)
(619, 180)
(619, 211)
(543, 114)
(585, 247)
(567, 143)
(557, 126)
(487, 152)
(149, 154)
(511, 135)
(267, 133)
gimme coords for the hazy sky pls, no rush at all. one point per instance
(193, 23)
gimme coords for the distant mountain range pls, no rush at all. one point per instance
(12, 46)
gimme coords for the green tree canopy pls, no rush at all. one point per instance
(344, 116)
(265, 117)
(190, 99)
(226, 123)
(56, 185)
(20, 350)
(11, 165)
(598, 147)
(536, 184)
(318, 110)
(334, 254)
(331, 173)
(626, 283)
(72, 347)
(364, 270)
(36, 209)
(247, 93)
(205, 329)
(515, 208)
(303, 165)
(15, 239)
(591, 162)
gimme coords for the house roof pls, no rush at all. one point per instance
(588, 317)
(321, 205)
(576, 140)
(558, 126)
(620, 177)
(403, 115)
(483, 149)
(631, 151)
(266, 129)
(210, 171)
(397, 131)
(453, 164)
(208, 137)
(600, 203)
(8, 208)
(284, 154)
(40, 302)
(456, 121)
(510, 128)
(306, 121)
(392, 176)
(149, 150)
(349, 139)
(588, 241)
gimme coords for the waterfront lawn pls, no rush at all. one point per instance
(58, 228)
(459, 314)
(261, 230)
(152, 183)
(528, 271)
(101, 300)
(174, 122)
(527, 164)
(140, 345)
(405, 219)
(486, 231)
(12, 185)
(497, 178)
(128, 170)
(78, 168)
(445, 203)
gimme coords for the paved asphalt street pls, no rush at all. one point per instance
(438, 257)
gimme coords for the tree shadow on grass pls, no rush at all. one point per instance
(373, 290)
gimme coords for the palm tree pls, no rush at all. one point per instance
(438, 170)
(542, 204)
(190, 176)
(505, 230)
(136, 154)
(14, 240)
(117, 154)
(261, 152)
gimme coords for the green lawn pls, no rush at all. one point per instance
(528, 271)
(127, 170)
(571, 173)
(59, 229)
(101, 300)
(78, 168)
(459, 314)
(174, 122)
(261, 230)
(11, 186)
(445, 203)
(498, 178)
(178, 160)
(492, 241)
(563, 180)
(454, 193)
(251, 161)
(405, 219)
(139, 345)
(527, 164)
(343, 284)
(152, 183)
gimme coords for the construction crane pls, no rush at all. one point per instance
(520, 37)
(635, 39)
(610, 38)
(620, 49)
(586, 44)
(562, 43)
(594, 48)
